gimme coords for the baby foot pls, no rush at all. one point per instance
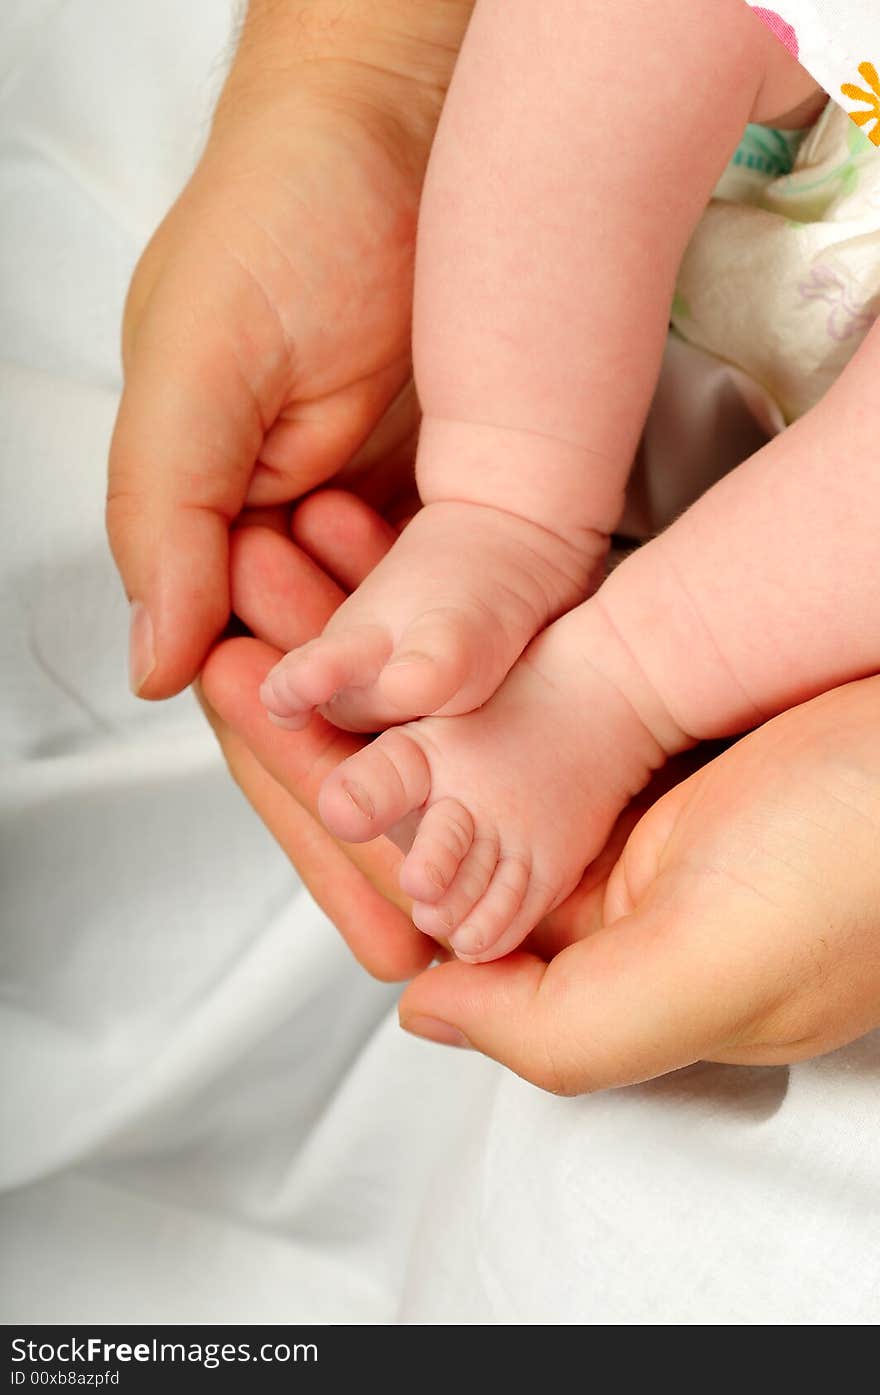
(513, 800)
(438, 624)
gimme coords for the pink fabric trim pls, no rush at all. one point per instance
(780, 27)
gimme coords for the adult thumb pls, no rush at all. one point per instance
(186, 438)
(662, 987)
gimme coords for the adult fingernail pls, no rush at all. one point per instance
(432, 1029)
(141, 651)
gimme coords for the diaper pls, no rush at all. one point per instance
(782, 276)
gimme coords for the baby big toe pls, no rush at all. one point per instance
(312, 674)
(376, 788)
(430, 664)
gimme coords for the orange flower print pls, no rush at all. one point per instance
(858, 94)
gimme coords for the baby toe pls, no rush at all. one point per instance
(479, 935)
(443, 840)
(430, 664)
(468, 886)
(376, 788)
(311, 675)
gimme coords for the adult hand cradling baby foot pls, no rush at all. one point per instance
(267, 334)
(737, 921)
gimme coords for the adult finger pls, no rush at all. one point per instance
(189, 430)
(277, 518)
(281, 594)
(298, 761)
(379, 935)
(343, 534)
(285, 599)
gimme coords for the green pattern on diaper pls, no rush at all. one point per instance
(858, 141)
(770, 159)
(769, 151)
(680, 308)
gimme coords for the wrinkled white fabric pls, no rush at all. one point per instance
(208, 1111)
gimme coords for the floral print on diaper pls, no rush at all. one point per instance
(831, 39)
(846, 315)
(858, 94)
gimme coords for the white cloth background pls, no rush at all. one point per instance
(208, 1112)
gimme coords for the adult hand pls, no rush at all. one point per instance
(288, 598)
(267, 326)
(741, 923)
(737, 921)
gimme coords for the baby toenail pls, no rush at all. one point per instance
(268, 692)
(467, 944)
(410, 657)
(296, 723)
(435, 875)
(360, 799)
(446, 916)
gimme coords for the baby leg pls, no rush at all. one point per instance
(761, 596)
(765, 592)
(549, 240)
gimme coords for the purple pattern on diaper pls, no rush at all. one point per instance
(846, 317)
